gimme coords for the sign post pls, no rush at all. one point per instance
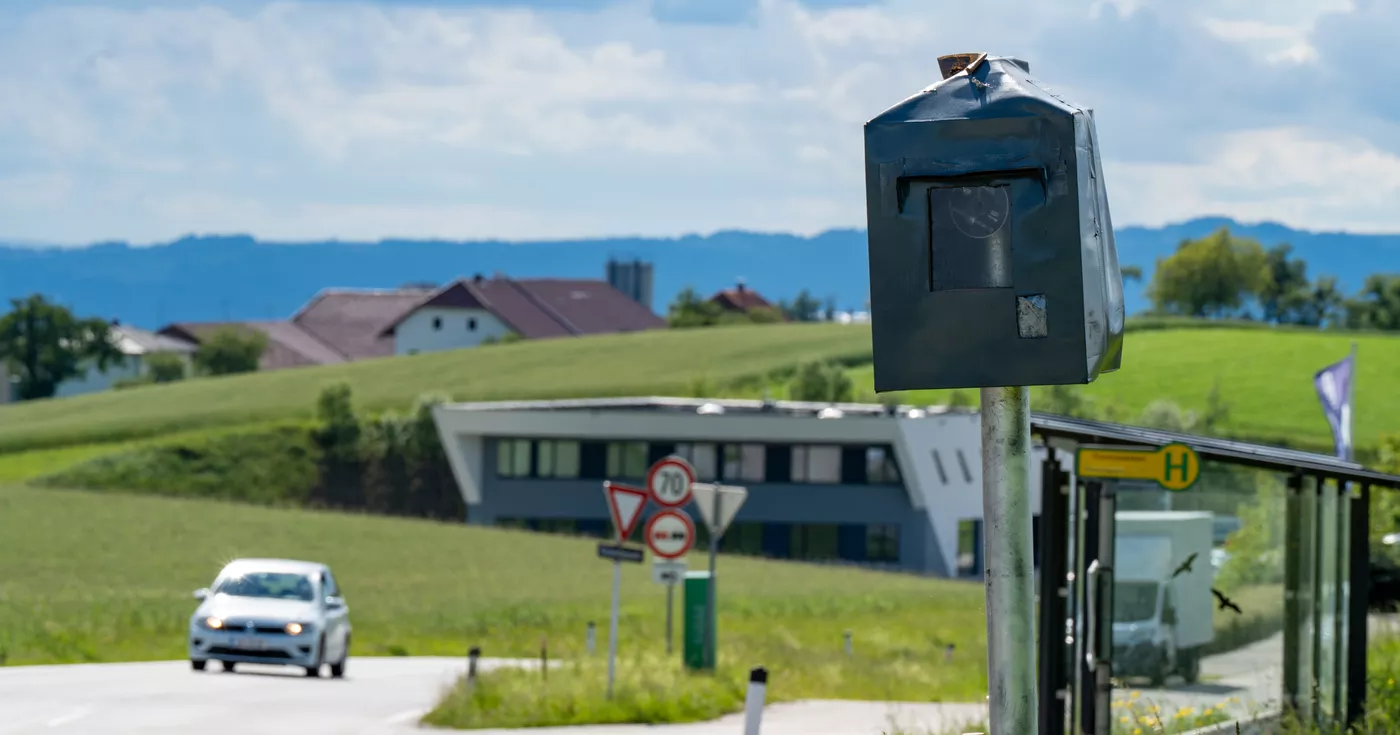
(625, 507)
(718, 505)
(993, 266)
(669, 483)
(670, 534)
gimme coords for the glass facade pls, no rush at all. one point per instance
(745, 463)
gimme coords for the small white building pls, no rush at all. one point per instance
(136, 345)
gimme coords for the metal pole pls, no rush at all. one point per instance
(711, 615)
(670, 596)
(1010, 573)
(612, 624)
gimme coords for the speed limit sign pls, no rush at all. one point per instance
(669, 482)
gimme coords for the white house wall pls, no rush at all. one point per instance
(94, 380)
(417, 334)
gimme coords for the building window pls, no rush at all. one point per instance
(743, 538)
(627, 460)
(882, 543)
(703, 457)
(815, 541)
(513, 458)
(557, 459)
(816, 464)
(880, 468)
(437, 322)
(745, 462)
(471, 324)
(969, 547)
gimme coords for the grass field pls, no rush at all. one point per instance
(1264, 374)
(108, 578)
(660, 362)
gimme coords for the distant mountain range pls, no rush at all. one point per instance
(225, 277)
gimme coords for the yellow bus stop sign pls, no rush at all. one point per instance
(1173, 466)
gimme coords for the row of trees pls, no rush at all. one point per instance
(1223, 276)
(390, 464)
(43, 344)
(689, 309)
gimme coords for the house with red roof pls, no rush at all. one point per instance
(740, 298)
(344, 325)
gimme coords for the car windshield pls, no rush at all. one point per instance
(1134, 601)
(277, 585)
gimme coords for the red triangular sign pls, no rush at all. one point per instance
(625, 506)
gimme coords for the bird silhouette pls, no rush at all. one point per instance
(1226, 602)
(1185, 567)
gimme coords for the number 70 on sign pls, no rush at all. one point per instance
(669, 482)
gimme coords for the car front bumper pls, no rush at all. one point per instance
(254, 648)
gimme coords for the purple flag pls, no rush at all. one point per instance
(1334, 384)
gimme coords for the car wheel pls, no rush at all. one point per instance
(314, 670)
(338, 668)
(1191, 667)
(197, 665)
(228, 665)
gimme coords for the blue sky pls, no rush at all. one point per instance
(146, 120)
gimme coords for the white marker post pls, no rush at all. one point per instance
(625, 506)
(718, 505)
(753, 700)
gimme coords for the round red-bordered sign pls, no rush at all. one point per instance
(669, 481)
(670, 534)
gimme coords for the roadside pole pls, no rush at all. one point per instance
(712, 615)
(1010, 575)
(625, 508)
(612, 624)
(671, 533)
(670, 598)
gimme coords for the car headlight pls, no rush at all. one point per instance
(294, 628)
(213, 622)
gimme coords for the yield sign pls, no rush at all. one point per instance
(625, 506)
(718, 504)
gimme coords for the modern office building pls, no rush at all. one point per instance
(855, 483)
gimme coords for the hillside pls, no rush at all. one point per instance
(211, 278)
(1264, 374)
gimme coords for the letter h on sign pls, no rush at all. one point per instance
(1183, 465)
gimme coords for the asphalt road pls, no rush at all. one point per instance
(1247, 681)
(388, 695)
(377, 695)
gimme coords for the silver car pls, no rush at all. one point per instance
(271, 611)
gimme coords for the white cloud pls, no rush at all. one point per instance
(1258, 174)
(361, 121)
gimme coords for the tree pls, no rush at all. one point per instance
(689, 310)
(1131, 273)
(165, 367)
(230, 350)
(804, 308)
(1377, 306)
(821, 382)
(1213, 276)
(1320, 304)
(43, 344)
(1285, 284)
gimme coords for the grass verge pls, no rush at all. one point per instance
(648, 689)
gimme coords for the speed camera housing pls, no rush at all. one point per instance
(992, 260)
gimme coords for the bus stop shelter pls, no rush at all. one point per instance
(1323, 508)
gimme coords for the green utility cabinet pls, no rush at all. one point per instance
(698, 650)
